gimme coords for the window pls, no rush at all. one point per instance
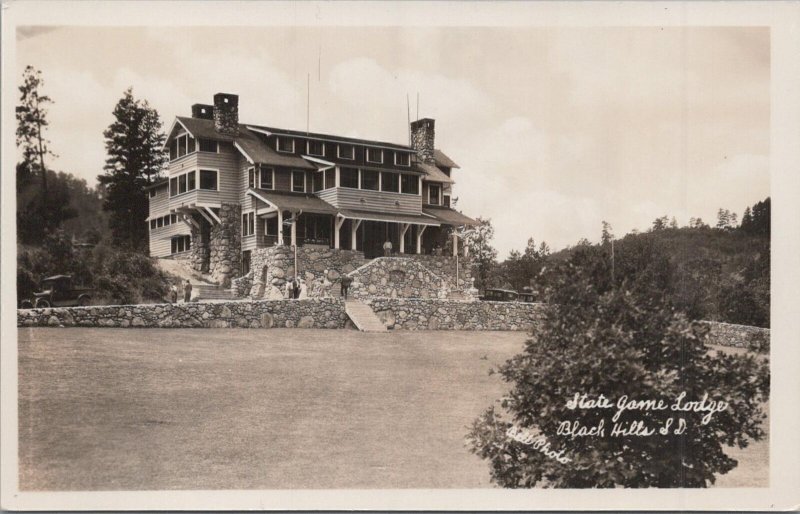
(160, 222)
(285, 144)
(369, 180)
(181, 184)
(433, 194)
(166, 221)
(266, 178)
(248, 224)
(299, 181)
(346, 152)
(173, 186)
(330, 178)
(152, 224)
(315, 148)
(348, 177)
(181, 145)
(390, 182)
(409, 184)
(446, 202)
(246, 262)
(271, 226)
(317, 181)
(251, 177)
(181, 244)
(402, 159)
(153, 193)
(208, 145)
(374, 155)
(191, 179)
(208, 180)
(174, 218)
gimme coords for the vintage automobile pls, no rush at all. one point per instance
(527, 297)
(58, 291)
(499, 295)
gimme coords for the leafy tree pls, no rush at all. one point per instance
(484, 255)
(135, 158)
(598, 338)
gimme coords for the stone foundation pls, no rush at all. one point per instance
(738, 336)
(273, 266)
(445, 267)
(396, 277)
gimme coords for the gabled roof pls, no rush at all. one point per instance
(443, 160)
(203, 128)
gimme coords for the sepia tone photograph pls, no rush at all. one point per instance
(306, 257)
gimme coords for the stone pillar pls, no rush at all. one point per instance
(226, 245)
(455, 245)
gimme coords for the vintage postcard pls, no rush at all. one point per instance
(387, 255)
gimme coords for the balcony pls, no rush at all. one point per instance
(193, 199)
(368, 200)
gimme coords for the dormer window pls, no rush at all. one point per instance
(402, 159)
(375, 155)
(285, 144)
(315, 148)
(346, 152)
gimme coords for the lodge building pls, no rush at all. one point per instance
(233, 189)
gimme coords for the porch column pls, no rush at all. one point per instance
(294, 229)
(338, 222)
(420, 230)
(455, 244)
(403, 229)
(354, 224)
(280, 227)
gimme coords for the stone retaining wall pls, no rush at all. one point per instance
(309, 313)
(738, 336)
(443, 314)
(396, 277)
(444, 266)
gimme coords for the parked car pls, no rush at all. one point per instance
(499, 295)
(58, 291)
(526, 296)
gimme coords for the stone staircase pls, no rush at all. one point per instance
(362, 317)
(204, 292)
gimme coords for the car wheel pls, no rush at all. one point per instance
(83, 301)
(42, 303)
(26, 304)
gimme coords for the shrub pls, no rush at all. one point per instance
(623, 340)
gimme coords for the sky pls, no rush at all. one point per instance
(555, 129)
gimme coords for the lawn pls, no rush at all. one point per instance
(132, 409)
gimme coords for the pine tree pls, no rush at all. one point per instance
(135, 158)
(747, 220)
(606, 235)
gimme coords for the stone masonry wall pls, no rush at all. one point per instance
(313, 262)
(443, 314)
(309, 313)
(445, 267)
(738, 336)
(225, 245)
(396, 277)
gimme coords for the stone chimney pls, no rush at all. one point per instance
(226, 113)
(422, 135)
(203, 111)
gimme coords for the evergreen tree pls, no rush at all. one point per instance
(606, 235)
(41, 205)
(134, 145)
(747, 220)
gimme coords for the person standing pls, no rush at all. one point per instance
(387, 248)
(296, 289)
(173, 294)
(187, 291)
(346, 281)
(290, 288)
(302, 290)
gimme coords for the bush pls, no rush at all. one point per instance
(614, 341)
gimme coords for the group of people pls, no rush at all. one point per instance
(187, 292)
(296, 288)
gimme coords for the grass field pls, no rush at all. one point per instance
(128, 409)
